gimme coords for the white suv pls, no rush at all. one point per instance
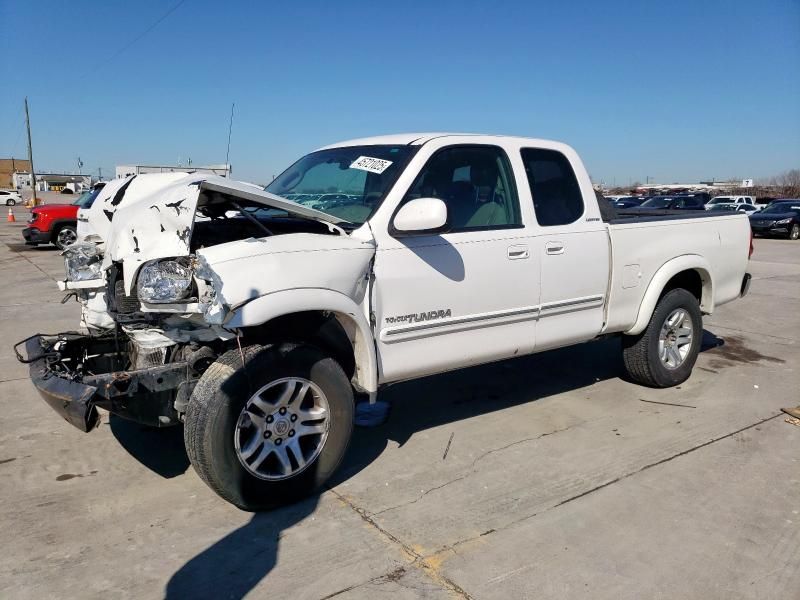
(10, 198)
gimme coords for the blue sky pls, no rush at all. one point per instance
(678, 91)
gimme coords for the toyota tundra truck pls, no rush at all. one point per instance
(257, 317)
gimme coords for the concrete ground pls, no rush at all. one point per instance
(543, 477)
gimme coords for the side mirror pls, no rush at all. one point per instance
(421, 215)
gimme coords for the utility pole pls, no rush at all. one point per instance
(30, 152)
(100, 173)
(228, 151)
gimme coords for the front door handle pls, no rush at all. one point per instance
(554, 248)
(518, 251)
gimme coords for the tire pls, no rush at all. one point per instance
(794, 232)
(642, 353)
(64, 236)
(214, 426)
(11, 202)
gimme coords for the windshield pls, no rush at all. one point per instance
(657, 203)
(86, 198)
(348, 183)
(781, 207)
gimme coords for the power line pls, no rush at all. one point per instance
(140, 36)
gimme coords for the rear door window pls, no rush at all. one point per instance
(557, 198)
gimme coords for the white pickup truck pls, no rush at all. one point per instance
(255, 317)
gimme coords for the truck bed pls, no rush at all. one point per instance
(641, 245)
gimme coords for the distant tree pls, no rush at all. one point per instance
(790, 179)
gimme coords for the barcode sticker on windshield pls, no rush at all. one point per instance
(373, 165)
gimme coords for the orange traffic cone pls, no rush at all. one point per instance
(11, 218)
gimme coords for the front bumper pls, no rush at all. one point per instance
(34, 236)
(70, 399)
(58, 366)
(770, 229)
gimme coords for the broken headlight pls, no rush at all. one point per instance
(164, 281)
(82, 262)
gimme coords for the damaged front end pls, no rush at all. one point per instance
(76, 374)
(158, 289)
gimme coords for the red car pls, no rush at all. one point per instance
(57, 223)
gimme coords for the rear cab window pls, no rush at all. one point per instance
(557, 198)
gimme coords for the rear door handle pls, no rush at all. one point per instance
(516, 252)
(554, 248)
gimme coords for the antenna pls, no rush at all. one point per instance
(228, 151)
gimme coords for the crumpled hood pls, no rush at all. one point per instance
(115, 195)
(159, 224)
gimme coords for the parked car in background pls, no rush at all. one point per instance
(780, 218)
(703, 196)
(672, 203)
(10, 197)
(628, 201)
(57, 223)
(743, 208)
(737, 200)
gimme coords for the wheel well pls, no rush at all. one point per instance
(689, 280)
(59, 225)
(318, 328)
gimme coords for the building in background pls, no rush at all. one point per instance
(56, 182)
(128, 170)
(21, 180)
(9, 166)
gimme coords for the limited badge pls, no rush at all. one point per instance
(373, 165)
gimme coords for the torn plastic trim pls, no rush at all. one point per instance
(212, 301)
(89, 284)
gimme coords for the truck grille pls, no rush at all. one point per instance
(125, 304)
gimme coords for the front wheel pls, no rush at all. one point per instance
(65, 236)
(794, 232)
(664, 354)
(270, 430)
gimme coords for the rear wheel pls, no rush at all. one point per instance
(11, 202)
(664, 354)
(794, 232)
(272, 430)
(65, 236)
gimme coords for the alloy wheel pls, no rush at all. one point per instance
(675, 338)
(282, 428)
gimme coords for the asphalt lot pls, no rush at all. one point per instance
(543, 477)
